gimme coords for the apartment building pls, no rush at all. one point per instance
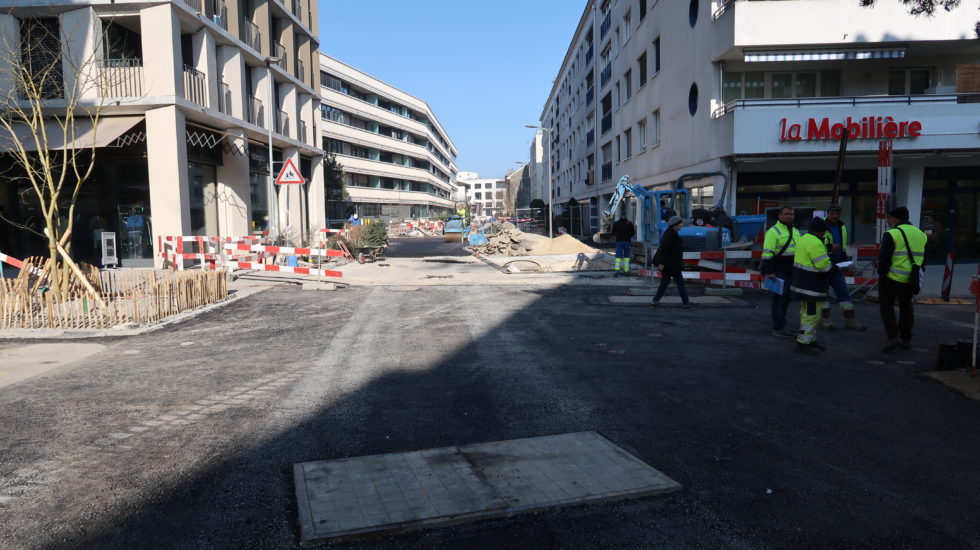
(762, 90)
(398, 160)
(194, 97)
(486, 197)
(537, 170)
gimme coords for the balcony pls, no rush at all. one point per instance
(195, 86)
(218, 13)
(589, 96)
(121, 77)
(255, 111)
(195, 4)
(282, 123)
(606, 23)
(279, 51)
(589, 54)
(606, 123)
(224, 98)
(607, 171)
(300, 70)
(605, 75)
(251, 35)
(815, 125)
(590, 137)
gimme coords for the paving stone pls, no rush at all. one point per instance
(398, 491)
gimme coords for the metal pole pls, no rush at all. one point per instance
(273, 203)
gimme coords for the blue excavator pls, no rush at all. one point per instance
(708, 229)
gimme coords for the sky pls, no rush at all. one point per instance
(485, 67)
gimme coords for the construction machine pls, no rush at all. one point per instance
(709, 229)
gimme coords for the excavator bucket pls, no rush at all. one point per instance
(605, 231)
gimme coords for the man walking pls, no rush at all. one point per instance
(669, 259)
(903, 249)
(836, 240)
(811, 264)
(624, 231)
(777, 262)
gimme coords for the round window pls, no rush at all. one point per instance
(692, 99)
(692, 13)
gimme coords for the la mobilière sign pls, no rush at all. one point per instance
(871, 127)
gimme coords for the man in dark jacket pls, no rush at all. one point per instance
(624, 231)
(903, 250)
(669, 259)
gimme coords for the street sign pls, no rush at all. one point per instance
(289, 174)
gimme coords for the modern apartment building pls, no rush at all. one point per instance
(191, 93)
(537, 169)
(398, 161)
(762, 90)
(486, 197)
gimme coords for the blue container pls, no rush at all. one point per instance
(291, 261)
(749, 226)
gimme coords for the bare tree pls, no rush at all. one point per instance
(50, 106)
(926, 7)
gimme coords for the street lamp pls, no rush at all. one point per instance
(551, 210)
(273, 208)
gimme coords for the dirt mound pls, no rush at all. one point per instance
(565, 244)
(512, 242)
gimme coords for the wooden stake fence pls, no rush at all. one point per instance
(129, 296)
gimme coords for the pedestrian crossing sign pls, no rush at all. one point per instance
(289, 174)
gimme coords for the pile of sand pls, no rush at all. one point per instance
(510, 241)
(565, 244)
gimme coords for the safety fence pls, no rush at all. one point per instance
(253, 252)
(105, 299)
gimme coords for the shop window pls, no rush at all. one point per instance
(830, 83)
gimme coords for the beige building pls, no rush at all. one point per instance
(398, 161)
(485, 196)
(191, 92)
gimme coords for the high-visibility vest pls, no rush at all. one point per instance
(810, 265)
(828, 237)
(775, 240)
(903, 258)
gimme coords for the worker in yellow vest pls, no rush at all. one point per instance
(811, 266)
(903, 250)
(836, 240)
(777, 263)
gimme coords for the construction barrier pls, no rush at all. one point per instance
(10, 260)
(285, 250)
(285, 269)
(176, 250)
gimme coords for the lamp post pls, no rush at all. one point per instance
(551, 193)
(270, 120)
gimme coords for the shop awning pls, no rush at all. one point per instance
(824, 55)
(86, 133)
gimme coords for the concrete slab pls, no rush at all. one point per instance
(18, 363)
(959, 380)
(400, 491)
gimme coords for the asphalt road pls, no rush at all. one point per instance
(421, 247)
(775, 450)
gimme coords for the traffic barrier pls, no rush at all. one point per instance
(285, 269)
(10, 260)
(208, 249)
(285, 250)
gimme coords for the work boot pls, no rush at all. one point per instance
(892, 344)
(806, 349)
(851, 323)
(825, 322)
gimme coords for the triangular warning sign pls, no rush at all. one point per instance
(289, 174)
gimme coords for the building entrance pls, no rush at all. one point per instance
(950, 205)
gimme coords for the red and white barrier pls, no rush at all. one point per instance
(175, 250)
(285, 269)
(10, 260)
(285, 250)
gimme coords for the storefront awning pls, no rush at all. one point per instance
(86, 133)
(824, 55)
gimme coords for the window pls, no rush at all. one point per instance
(656, 56)
(908, 81)
(641, 129)
(478, 196)
(641, 62)
(619, 95)
(627, 26)
(628, 84)
(830, 83)
(750, 85)
(642, 9)
(655, 129)
(628, 142)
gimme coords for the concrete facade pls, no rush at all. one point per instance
(398, 159)
(655, 89)
(196, 75)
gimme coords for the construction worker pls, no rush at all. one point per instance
(836, 241)
(624, 231)
(811, 266)
(903, 249)
(777, 262)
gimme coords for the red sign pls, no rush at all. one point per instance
(289, 174)
(870, 127)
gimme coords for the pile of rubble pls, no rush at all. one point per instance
(510, 241)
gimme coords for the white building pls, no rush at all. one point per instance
(537, 170)
(190, 94)
(486, 197)
(693, 86)
(398, 160)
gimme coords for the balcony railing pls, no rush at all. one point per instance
(300, 70)
(606, 23)
(282, 123)
(605, 75)
(251, 35)
(121, 77)
(724, 7)
(846, 101)
(196, 4)
(606, 123)
(279, 51)
(256, 112)
(224, 98)
(607, 171)
(218, 13)
(195, 86)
